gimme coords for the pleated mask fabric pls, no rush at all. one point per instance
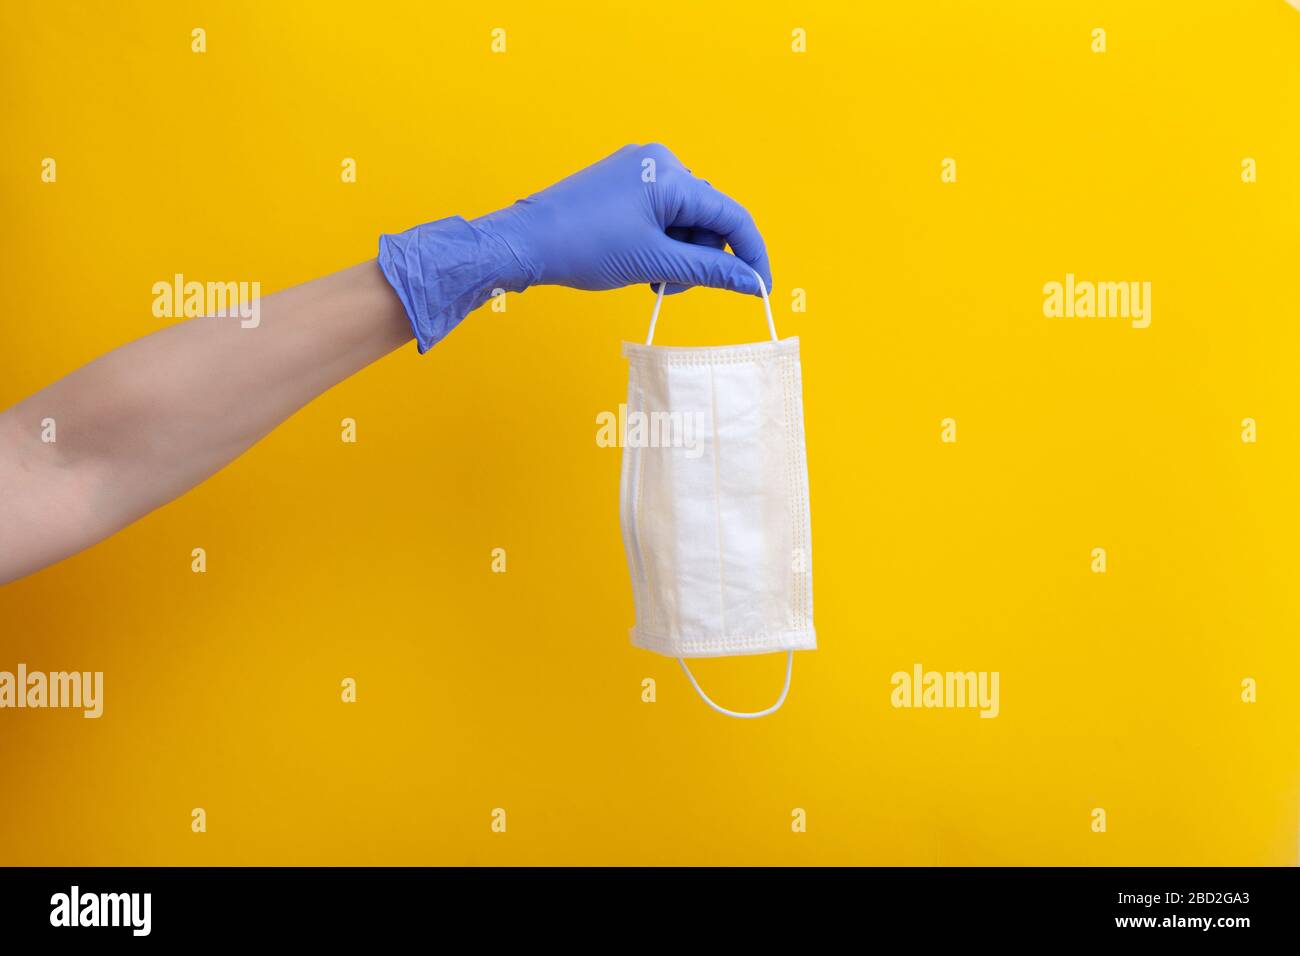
(714, 500)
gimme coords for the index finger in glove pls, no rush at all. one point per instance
(704, 207)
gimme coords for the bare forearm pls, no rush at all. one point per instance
(144, 423)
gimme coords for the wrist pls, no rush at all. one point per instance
(443, 270)
(508, 229)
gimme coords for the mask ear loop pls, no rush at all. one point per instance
(659, 301)
(789, 669)
(789, 655)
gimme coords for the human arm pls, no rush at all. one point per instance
(142, 424)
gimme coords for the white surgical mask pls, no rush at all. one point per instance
(715, 517)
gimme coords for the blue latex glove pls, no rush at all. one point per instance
(602, 228)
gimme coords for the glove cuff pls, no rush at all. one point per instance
(443, 270)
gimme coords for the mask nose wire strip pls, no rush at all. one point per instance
(789, 669)
(789, 655)
(659, 301)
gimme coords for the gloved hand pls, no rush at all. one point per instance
(610, 225)
(606, 227)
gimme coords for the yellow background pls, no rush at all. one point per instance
(521, 691)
